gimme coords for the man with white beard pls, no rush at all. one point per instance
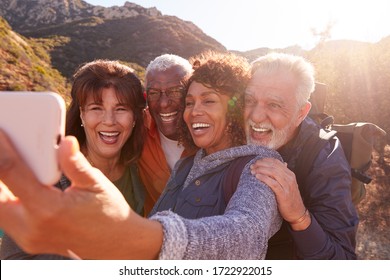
(320, 220)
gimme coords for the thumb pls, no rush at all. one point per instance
(74, 165)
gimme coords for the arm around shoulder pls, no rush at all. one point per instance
(242, 232)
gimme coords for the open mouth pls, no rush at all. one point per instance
(199, 129)
(168, 117)
(109, 137)
(260, 133)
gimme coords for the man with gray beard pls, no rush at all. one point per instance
(320, 220)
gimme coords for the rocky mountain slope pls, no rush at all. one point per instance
(83, 32)
(28, 15)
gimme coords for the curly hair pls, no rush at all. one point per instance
(228, 74)
(90, 79)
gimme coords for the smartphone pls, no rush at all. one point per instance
(35, 122)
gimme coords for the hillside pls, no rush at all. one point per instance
(253, 54)
(25, 64)
(358, 80)
(31, 15)
(128, 33)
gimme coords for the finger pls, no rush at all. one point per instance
(10, 210)
(278, 176)
(266, 168)
(273, 168)
(74, 165)
(266, 162)
(271, 182)
(15, 173)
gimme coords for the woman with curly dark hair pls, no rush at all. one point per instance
(202, 185)
(230, 76)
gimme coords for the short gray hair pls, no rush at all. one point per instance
(296, 65)
(166, 61)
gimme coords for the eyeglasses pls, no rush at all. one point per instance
(154, 94)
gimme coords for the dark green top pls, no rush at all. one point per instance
(132, 189)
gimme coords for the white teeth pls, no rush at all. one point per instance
(168, 117)
(109, 134)
(200, 125)
(260, 129)
(168, 114)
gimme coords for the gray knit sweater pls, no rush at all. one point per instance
(242, 232)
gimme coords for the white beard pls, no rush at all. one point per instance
(278, 137)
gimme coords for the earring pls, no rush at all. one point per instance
(82, 125)
(133, 124)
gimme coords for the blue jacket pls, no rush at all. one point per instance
(208, 195)
(327, 195)
(239, 231)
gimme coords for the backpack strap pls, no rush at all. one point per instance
(232, 176)
(360, 175)
(327, 121)
(184, 169)
(324, 120)
(358, 140)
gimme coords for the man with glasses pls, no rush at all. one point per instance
(164, 83)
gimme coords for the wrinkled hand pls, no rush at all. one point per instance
(283, 183)
(90, 219)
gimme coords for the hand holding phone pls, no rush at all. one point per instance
(35, 122)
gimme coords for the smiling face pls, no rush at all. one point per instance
(108, 125)
(205, 115)
(272, 114)
(166, 111)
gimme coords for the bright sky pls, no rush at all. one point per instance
(250, 24)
